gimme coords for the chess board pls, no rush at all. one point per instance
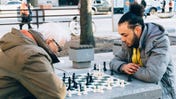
(100, 83)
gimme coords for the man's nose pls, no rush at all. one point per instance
(123, 39)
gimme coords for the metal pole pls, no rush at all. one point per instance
(112, 14)
(37, 18)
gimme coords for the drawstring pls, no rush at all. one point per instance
(136, 56)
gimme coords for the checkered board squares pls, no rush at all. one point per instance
(101, 82)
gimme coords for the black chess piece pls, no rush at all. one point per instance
(80, 86)
(91, 79)
(95, 67)
(69, 83)
(63, 78)
(88, 79)
(129, 78)
(75, 84)
(73, 77)
(112, 72)
(104, 66)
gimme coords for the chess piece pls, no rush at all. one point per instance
(104, 66)
(129, 78)
(69, 93)
(112, 72)
(109, 84)
(75, 85)
(85, 90)
(69, 83)
(94, 88)
(95, 67)
(73, 77)
(87, 80)
(63, 78)
(101, 89)
(118, 82)
(91, 79)
(79, 90)
(122, 83)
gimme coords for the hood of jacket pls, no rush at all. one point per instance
(8, 42)
(152, 32)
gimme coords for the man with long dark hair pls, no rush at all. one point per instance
(145, 53)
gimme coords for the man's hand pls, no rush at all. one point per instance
(130, 68)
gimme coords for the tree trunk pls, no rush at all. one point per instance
(86, 37)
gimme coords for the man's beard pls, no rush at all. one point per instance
(135, 41)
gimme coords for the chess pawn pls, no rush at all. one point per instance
(69, 93)
(94, 89)
(95, 67)
(118, 82)
(79, 91)
(111, 80)
(85, 89)
(98, 88)
(101, 89)
(122, 83)
(109, 84)
(104, 66)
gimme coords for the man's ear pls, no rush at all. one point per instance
(48, 40)
(138, 30)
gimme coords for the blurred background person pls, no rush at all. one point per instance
(26, 14)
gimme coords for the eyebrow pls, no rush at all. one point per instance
(122, 34)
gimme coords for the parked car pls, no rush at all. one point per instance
(153, 6)
(11, 5)
(101, 6)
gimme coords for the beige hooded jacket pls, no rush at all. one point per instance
(26, 70)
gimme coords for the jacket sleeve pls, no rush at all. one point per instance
(120, 58)
(158, 59)
(38, 77)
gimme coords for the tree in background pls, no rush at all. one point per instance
(86, 37)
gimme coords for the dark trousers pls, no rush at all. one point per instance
(25, 20)
(21, 26)
(170, 9)
(163, 10)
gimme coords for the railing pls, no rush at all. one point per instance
(38, 15)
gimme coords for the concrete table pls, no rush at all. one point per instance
(135, 90)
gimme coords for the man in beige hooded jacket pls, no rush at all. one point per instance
(26, 70)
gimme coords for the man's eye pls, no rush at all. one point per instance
(125, 35)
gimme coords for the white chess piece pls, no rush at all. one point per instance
(122, 83)
(79, 91)
(69, 93)
(109, 84)
(94, 88)
(118, 82)
(101, 89)
(85, 89)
